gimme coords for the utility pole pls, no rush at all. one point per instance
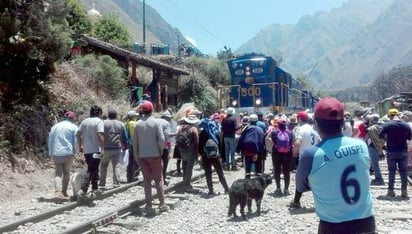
(144, 26)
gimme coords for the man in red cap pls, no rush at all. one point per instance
(305, 137)
(62, 143)
(337, 172)
(148, 144)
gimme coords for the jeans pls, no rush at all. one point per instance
(113, 156)
(132, 170)
(189, 157)
(248, 161)
(92, 176)
(217, 164)
(374, 156)
(400, 161)
(281, 162)
(230, 148)
(152, 170)
(63, 165)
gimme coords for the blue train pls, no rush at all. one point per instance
(258, 84)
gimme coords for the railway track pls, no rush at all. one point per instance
(94, 222)
(391, 213)
(67, 207)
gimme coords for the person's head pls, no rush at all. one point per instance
(282, 123)
(302, 116)
(192, 120)
(230, 111)
(95, 111)
(253, 118)
(69, 115)
(259, 115)
(146, 107)
(329, 116)
(166, 115)
(393, 113)
(132, 114)
(358, 114)
(112, 114)
(373, 119)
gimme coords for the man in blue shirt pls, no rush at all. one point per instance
(336, 170)
(397, 134)
(62, 143)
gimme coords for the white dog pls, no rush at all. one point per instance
(76, 180)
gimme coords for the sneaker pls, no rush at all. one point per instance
(295, 205)
(163, 208)
(391, 193)
(82, 195)
(278, 192)
(116, 185)
(286, 192)
(377, 182)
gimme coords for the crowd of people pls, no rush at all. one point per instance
(332, 152)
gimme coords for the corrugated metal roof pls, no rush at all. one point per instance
(128, 55)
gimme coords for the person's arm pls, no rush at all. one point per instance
(100, 136)
(303, 170)
(79, 141)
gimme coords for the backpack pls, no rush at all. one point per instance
(283, 144)
(211, 149)
(184, 138)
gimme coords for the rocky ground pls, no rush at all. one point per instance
(198, 213)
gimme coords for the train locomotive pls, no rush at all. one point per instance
(258, 84)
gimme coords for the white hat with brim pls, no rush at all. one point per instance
(192, 119)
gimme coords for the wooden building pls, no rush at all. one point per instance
(164, 87)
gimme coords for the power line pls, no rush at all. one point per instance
(198, 24)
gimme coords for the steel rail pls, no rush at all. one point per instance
(48, 214)
(90, 225)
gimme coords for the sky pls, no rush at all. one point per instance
(212, 24)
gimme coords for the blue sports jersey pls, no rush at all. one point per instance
(337, 172)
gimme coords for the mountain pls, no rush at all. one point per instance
(343, 48)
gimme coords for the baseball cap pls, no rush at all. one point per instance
(69, 115)
(393, 111)
(146, 106)
(303, 115)
(329, 108)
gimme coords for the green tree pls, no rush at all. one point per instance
(33, 36)
(111, 30)
(106, 76)
(78, 20)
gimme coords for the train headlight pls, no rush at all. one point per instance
(258, 102)
(234, 102)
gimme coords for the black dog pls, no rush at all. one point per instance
(244, 191)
